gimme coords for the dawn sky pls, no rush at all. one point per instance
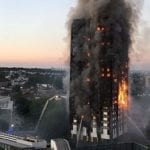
(32, 32)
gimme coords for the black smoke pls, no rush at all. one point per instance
(101, 31)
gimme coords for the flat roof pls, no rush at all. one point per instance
(13, 143)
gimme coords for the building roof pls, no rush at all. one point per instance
(60, 144)
(5, 102)
(21, 142)
(13, 143)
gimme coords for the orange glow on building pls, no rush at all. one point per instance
(100, 28)
(123, 96)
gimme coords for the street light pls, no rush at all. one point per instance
(54, 98)
(11, 129)
(12, 125)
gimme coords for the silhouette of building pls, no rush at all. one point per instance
(98, 80)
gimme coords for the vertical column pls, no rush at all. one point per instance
(94, 136)
(105, 125)
(74, 130)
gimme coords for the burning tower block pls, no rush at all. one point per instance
(99, 74)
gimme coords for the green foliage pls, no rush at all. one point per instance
(23, 106)
(16, 89)
(3, 125)
(29, 108)
(2, 77)
(36, 107)
(37, 78)
(45, 79)
(14, 76)
(54, 123)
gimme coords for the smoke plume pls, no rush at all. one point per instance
(117, 19)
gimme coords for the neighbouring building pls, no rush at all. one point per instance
(12, 142)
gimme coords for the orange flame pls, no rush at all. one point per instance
(88, 79)
(102, 75)
(123, 96)
(100, 28)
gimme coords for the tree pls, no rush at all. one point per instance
(16, 89)
(54, 123)
(2, 77)
(23, 106)
(58, 83)
(3, 125)
(36, 107)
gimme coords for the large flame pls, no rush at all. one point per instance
(123, 95)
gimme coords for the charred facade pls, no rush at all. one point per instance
(99, 74)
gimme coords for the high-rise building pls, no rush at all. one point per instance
(99, 78)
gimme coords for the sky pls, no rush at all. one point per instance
(32, 33)
(140, 58)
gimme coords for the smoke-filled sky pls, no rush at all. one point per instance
(141, 59)
(32, 33)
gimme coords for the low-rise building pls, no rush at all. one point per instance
(59, 144)
(45, 90)
(19, 81)
(4, 83)
(12, 142)
(6, 103)
(6, 110)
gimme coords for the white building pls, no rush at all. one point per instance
(6, 103)
(9, 142)
(59, 144)
(19, 81)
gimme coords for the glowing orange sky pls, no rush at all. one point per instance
(40, 51)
